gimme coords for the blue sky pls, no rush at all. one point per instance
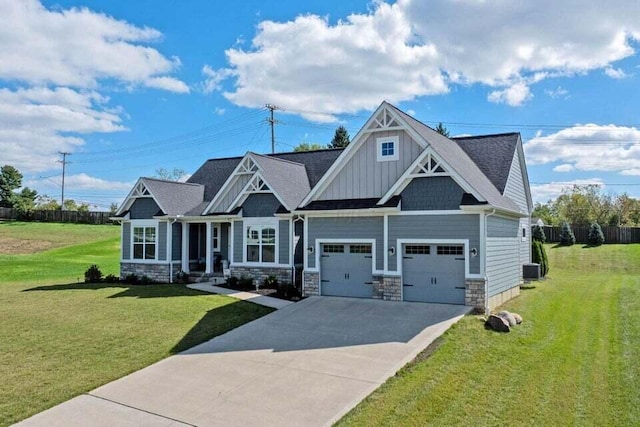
(130, 87)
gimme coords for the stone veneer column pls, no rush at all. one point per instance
(310, 284)
(392, 288)
(474, 293)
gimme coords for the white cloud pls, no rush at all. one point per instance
(590, 147)
(219, 111)
(167, 83)
(615, 73)
(563, 168)
(409, 49)
(514, 95)
(77, 48)
(214, 78)
(541, 193)
(558, 92)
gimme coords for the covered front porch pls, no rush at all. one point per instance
(205, 247)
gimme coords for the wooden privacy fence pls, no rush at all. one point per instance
(58, 216)
(611, 234)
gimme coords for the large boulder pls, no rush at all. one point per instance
(497, 323)
(510, 318)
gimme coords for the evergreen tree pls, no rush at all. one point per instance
(538, 234)
(340, 138)
(10, 180)
(442, 130)
(596, 237)
(566, 236)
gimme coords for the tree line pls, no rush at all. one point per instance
(584, 205)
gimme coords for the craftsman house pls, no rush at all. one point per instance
(403, 213)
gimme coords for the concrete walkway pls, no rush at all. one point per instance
(306, 364)
(276, 303)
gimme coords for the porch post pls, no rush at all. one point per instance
(209, 250)
(185, 247)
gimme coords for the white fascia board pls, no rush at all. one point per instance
(127, 200)
(489, 208)
(525, 173)
(243, 194)
(349, 212)
(229, 182)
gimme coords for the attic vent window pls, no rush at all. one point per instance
(387, 149)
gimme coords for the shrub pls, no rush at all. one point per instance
(545, 261)
(246, 283)
(270, 282)
(132, 279)
(232, 282)
(566, 236)
(111, 278)
(145, 280)
(287, 291)
(182, 277)
(539, 256)
(596, 237)
(538, 234)
(93, 274)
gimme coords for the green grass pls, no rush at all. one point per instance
(574, 361)
(60, 338)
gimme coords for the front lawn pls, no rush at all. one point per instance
(60, 338)
(574, 360)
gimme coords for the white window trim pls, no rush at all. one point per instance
(396, 147)
(145, 223)
(270, 222)
(216, 230)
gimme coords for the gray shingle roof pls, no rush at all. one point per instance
(460, 161)
(492, 153)
(174, 198)
(213, 174)
(288, 179)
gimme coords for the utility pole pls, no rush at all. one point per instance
(64, 162)
(272, 122)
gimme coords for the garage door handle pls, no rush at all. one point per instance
(460, 287)
(324, 281)
(368, 256)
(405, 284)
(407, 257)
(368, 283)
(459, 259)
(324, 256)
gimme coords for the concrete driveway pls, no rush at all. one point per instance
(304, 365)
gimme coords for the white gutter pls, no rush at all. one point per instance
(486, 279)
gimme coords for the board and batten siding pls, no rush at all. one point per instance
(346, 228)
(223, 204)
(126, 240)
(514, 188)
(176, 241)
(143, 208)
(432, 193)
(364, 177)
(238, 229)
(283, 241)
(429, 227)
(161, 238)
(503, 254)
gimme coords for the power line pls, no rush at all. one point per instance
(272, 122)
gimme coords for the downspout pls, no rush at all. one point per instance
(486, 279)
(171, 249)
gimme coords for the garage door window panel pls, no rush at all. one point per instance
(450, 250)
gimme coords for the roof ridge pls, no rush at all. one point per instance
(277, 159)
(489, 135)
(168, 181)
(302, 152)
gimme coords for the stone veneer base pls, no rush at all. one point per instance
(156, 272)
(258, 274)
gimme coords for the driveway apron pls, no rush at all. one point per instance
(307, 364)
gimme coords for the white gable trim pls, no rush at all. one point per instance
(421, 168)
(247, 165)
(255, 187)
(137, 192)
(525, 174)
(357, 142)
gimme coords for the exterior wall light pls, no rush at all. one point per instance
(310, 249)
(392, 250)
(474, 252)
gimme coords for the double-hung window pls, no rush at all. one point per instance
(144, 242)
(261, 243)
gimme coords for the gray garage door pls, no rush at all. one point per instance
(345, 270)
(433, 273)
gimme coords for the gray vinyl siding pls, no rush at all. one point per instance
(435, 227)
(298, 231)
(433, 193)
(502, 227)
(177, 241)
(223, 204)
(126, 240)
(503, 266)
(347, 228)
(514, 188)
(161, 253)
(143, 208)
(364, 177)
(525, 245)
(238, 227)
(260, 205)
(283, 241)
(224, 241)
